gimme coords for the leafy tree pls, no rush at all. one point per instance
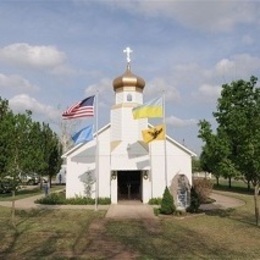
(52, 152)
(196, 167)
(238, 121)
(214, 151)
(17, 151)
(25, 147)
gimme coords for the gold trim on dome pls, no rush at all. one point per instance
(129, 89)
(128, 79)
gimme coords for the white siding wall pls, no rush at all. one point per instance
(146, 193)
(116, 122)
(104, 164)
(178, 161)
(83, 160)
(121, 96)
(76, 167)
(125, 127)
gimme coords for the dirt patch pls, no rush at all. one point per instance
(101, 245)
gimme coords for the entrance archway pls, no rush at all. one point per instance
(129, 185)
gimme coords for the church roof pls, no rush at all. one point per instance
(106, 127)
(128, 79)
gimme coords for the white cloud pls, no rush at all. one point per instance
(179, 123)
(16, 83)
(205, 83)
(23, 102)
(158, 85)
(210, 16)
(38, 57)
(238, 66)
(209, 92)
(105, 90)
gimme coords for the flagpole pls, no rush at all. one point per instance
(165, 150)
(151, 171)
(96, 155)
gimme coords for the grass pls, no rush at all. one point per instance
(236, 186)
(45, 233)
(222, 234)
(85, 234)
(25, 193)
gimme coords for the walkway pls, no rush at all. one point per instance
(128, 210)
(28, 203)
(222, 202)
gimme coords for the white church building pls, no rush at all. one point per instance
(124, 167)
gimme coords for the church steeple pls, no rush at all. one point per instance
(128, 94)
(128, 79)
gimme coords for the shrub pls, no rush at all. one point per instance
(194, 201)
(167, 206)
(53, 199)
(59, 199)
(203, 188)
(80, 201)
(155, 201)
(104, 201)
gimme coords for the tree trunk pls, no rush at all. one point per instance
(50, 180)
(229, 182)
(13, 209)
(217, 178)
(248, 186)
(257, 188)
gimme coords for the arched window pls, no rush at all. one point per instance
(129, 98)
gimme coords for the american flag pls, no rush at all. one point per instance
(83, 108)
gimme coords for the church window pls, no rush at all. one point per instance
(129, 97)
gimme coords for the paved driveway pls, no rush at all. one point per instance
(141, 211)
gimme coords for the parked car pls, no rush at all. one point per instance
(32, 179)
(5, 186)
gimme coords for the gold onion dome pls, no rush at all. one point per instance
(128, 79)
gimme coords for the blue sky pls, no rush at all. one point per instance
(55, 53)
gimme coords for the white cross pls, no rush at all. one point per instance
(128, 51)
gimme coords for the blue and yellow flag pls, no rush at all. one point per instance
(155, 133)
(152, 108)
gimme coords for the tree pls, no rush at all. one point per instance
(16, 162)
(215, 151)
(238, 121)
(25, 147)
(52, 152)
(167, 205)
(196, 167)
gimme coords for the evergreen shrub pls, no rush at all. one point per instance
(167, 205)
(194, 201)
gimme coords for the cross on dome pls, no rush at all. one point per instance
(128, 51)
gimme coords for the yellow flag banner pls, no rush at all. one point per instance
(155, 133)
(153, 108)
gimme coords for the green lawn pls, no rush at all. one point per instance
(83, 234)
(229, 234)
(25, 193)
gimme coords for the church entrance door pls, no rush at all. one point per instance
(129, 185)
